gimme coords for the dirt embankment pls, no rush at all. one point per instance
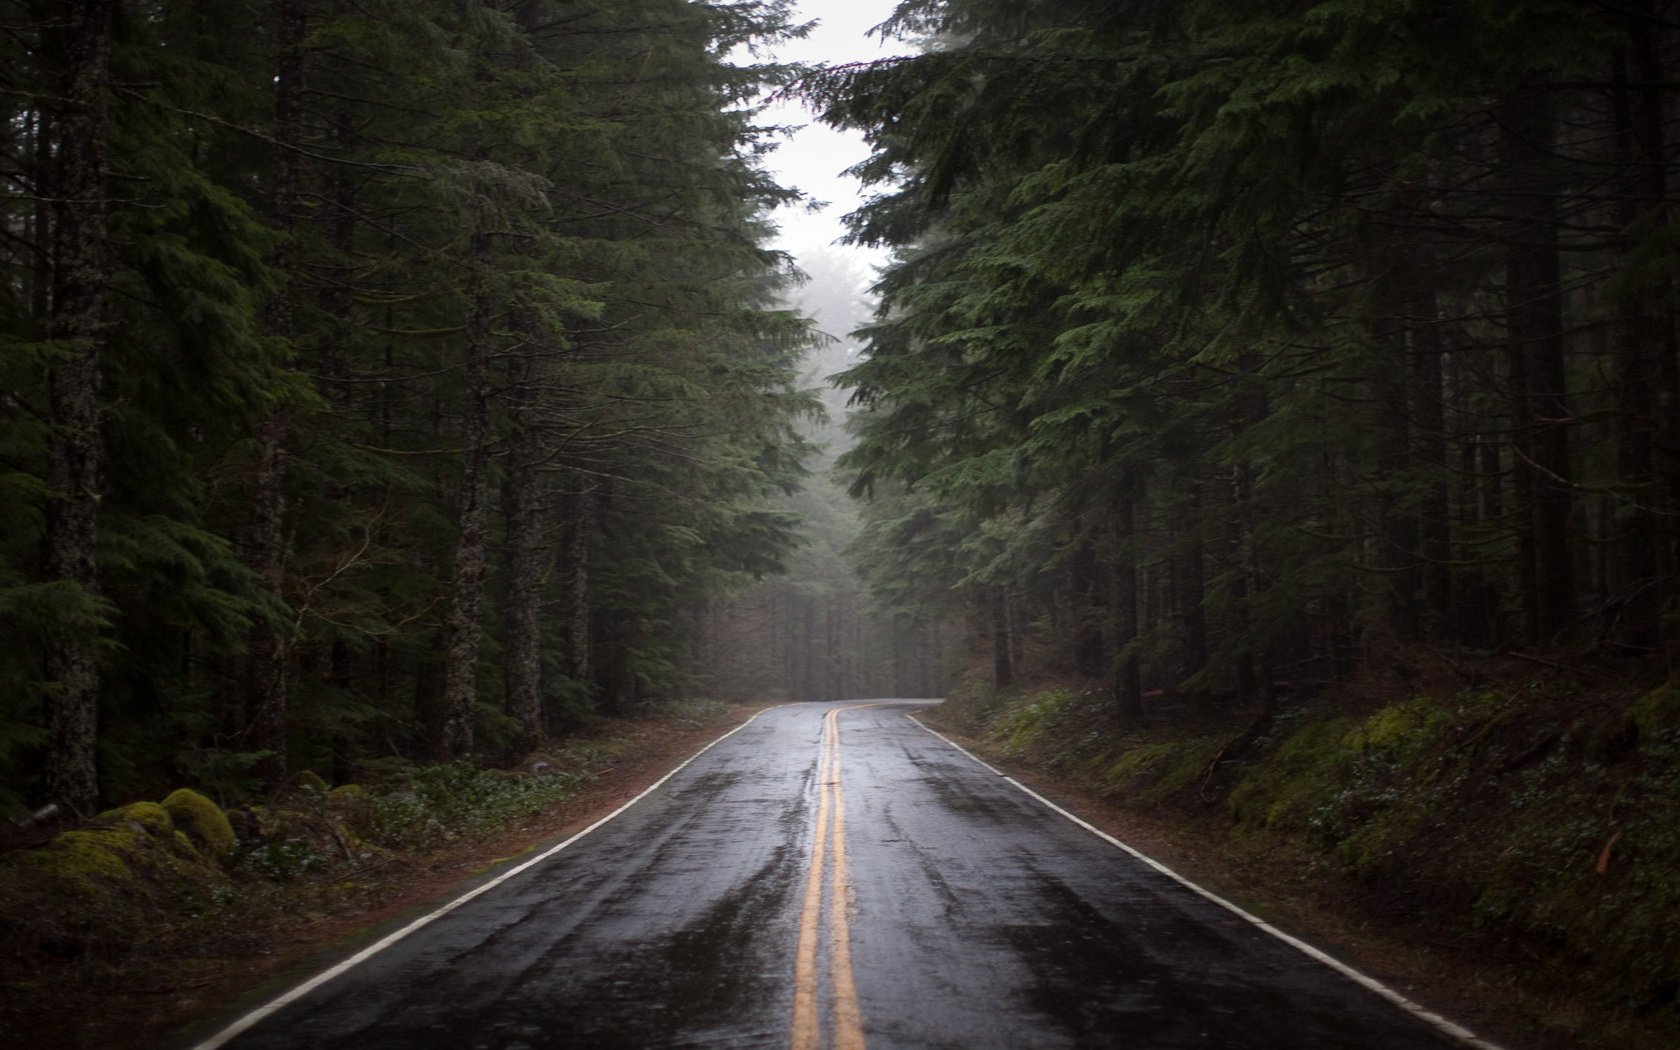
(1507, 852)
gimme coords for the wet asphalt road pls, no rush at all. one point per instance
(836, 876)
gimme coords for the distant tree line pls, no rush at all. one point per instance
(819, 630)
(1228, 345)
(394, 377)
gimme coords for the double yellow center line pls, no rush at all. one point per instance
(828, 858)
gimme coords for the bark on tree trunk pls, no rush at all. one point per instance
(1253, 661)
(1397, 532)
(1429, 414)
(464, 620)
(1539, 396)
(1637, 577)
(266, 652)
(526, 503)
(267, 648)
(1189, 590)
(1128, 686)
(808, 648)
(832, 647)
(1086, 572)
(1003, 665)
(1653, 38)
(83, 266)
(574, 576)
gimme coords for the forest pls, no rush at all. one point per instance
(415, 379)
(1286, 395)
(1267, 415)
(1229, 348)
(391, 378)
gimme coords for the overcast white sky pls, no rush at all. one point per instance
(813, 160)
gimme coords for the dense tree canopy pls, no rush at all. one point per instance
(392, 376)
(414, 378)
(1227, 344)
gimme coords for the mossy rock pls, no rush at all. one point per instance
(202, 821)
(310, 781)
(106, 882)
(149, 817)
(1657, 711)
(81, 860)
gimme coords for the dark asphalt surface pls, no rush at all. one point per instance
(976, 916)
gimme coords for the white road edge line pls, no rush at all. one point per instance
(275, 1005)
(1429, 1017)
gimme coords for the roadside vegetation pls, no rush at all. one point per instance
(121, 929)
(1521, 826)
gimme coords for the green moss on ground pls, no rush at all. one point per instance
(1153, 771)
(202, 821)
(105, 883)
(111, 920)
(1657, 711)
(1299, 780)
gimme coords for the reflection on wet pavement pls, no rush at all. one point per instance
(976, 918)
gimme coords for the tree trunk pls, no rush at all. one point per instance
(1253, 661)
(1397, 531)
(574, 575)
(808, 648)
(1087, 581)
(267, 647)
(1636, 582)
(83, 267)
(1189, 587)
(1003, 665)
(1534, 311)
(1128, 686)
(464, 620)
(1429, 400)
(526, 505)
(1653, 37)
(832, 645)
(266, 651)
